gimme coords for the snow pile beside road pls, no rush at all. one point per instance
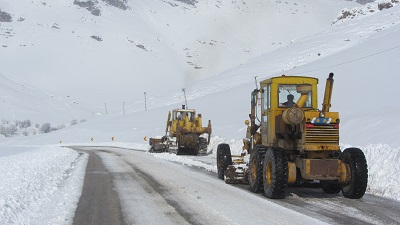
(41, 186)
(235, 146)
(383, 170)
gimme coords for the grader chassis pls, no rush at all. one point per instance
(293, 143)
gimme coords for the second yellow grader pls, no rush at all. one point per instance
(184, 134)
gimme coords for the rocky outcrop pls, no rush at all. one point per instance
(5, 17)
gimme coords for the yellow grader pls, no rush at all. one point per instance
(183, 134)
(293, 142)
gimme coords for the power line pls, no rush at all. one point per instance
(350, 61)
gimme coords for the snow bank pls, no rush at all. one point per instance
(41, 186)
(235, 146)
(383, 170)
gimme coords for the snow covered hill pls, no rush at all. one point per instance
(68, 49)
(362, 52)
(54, 55)
(20, 101)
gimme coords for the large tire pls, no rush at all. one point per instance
(203, 143)
(330, 188)
(275, 173)
(357, 186)
(255, 168)
(224, 159)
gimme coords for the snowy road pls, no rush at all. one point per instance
(155, 191)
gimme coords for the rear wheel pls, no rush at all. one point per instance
(357, 186)
(255, 168)
(224, 159)
(275, 173)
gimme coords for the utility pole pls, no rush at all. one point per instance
(105, 106)
(184, 95)
(145, 101)
(123, 108)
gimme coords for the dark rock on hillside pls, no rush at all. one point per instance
(5, 17)
(189, 2)
(89, 5)
(121, 4)
(96, 12)
(384, 5)
(86, 4)
(97, 38)
(364, 1)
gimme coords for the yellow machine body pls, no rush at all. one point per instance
(318, 133)
(185, 121)
(300, 128)
(183, 134)
(293, 142)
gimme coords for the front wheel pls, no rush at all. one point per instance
(357, 186)
(255, 169)
(275, 173)
(224, 159)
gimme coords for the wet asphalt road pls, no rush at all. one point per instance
(100, 203)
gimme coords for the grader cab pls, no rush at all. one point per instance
(294, 142)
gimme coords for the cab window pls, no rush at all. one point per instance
(266, 98)
(289, 94)
(191, 116)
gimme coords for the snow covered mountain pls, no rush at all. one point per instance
(97, 52)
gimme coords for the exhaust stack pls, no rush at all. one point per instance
(326, 105)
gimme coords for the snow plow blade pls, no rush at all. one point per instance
(235, 173)
(158, 145)
(230, 168)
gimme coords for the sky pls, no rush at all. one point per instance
(55, 75)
